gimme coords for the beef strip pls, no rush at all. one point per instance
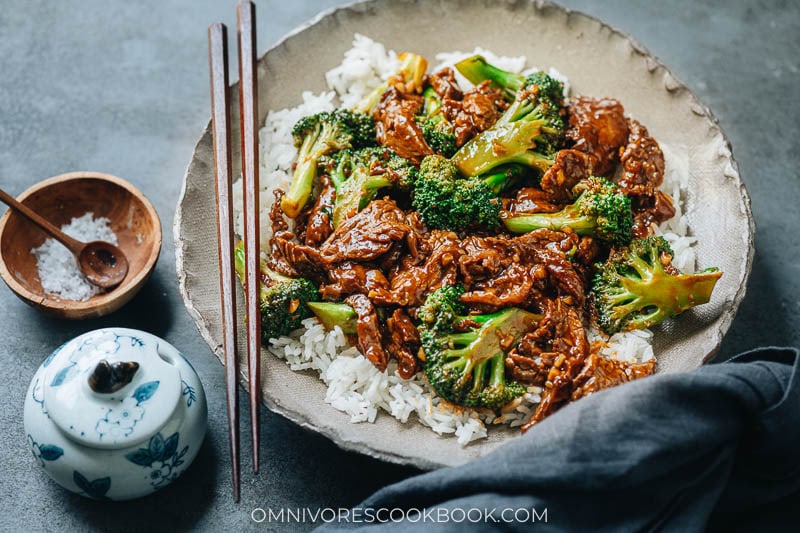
(403, 343)
(492, 274)
(484, 257)
(649, 211)
(570, 167)
(318, 225)
(511, 287)
(353, 278)
(597, 127)
(445, 85)
(396, 127)
(368, 331)
(642, 173)
(367, 235)
(589, 250)
(600, 373)
(304, 260)
(642, 162)
(277, 260)
(530, 200)
(556, 351)
(477, 111)
(547, 251)
(414, 277)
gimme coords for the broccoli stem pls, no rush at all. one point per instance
(304, 173)
(582, 225)
(501, 180)
(335, 314)
(461, 339)
(497, 371)
(484, 343)
(502, 144)
(300, 190)
(354, 193)
(477, 70)
(376, 182)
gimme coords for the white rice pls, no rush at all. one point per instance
(354, 385)
(58, 270)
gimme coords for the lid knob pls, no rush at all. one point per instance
(111, 377)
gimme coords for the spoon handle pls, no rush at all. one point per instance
(73, 245)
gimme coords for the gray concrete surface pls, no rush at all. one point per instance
(122, 87)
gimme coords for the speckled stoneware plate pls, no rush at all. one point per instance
(599, 61)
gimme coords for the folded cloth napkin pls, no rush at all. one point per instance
(679, 452)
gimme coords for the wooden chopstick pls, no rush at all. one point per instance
(248, 104)
(220, 119)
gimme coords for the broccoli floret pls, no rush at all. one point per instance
(445, 200)
(335, 314)
(438, 133)
(436, 129)
(442, 307)
(283, 300)
(358, 175)
(477, 70)
(465, 354)
(529, 132)
(637, 287)
(318, 135)
(601, 210)
(410, 74)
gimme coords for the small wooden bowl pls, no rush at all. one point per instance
(60, 199)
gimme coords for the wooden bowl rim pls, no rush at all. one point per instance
(129, 285)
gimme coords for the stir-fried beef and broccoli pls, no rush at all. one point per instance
(477, 235)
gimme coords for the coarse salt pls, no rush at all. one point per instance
(58, 270)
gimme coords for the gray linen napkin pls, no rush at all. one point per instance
(713, 448)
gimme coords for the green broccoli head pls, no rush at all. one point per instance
(445, 200)
(358, 175)
(442, 307)
(400, 171)
(637, 287)
(439, 134)
(465, 354)
(529, 132)
(436, 129)
(318, 135)
(601, 210)
(545, 87)
(283, 301)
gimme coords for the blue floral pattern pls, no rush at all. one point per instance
(189, 392)
(105, 343)
(120, 421)
(37, 394)
(96, 488)
(161, 458)
(45, 452)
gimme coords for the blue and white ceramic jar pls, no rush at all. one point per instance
(115, 414)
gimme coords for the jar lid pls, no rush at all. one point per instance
(111, 388)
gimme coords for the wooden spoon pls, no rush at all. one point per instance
(103, 264)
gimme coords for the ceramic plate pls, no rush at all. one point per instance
(598, 61)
